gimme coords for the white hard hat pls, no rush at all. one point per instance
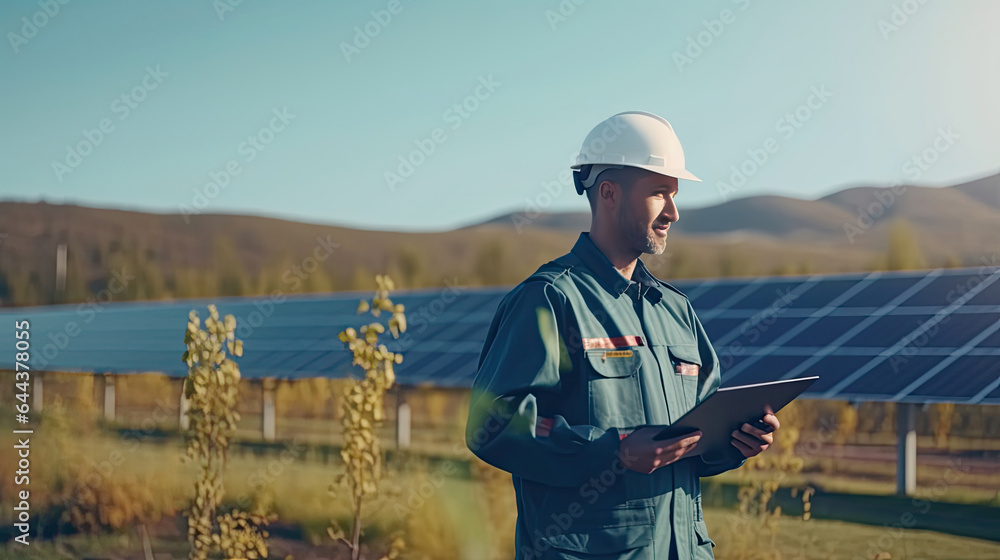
(634, 139)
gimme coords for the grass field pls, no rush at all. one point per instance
(448, 505)
(793, 539)
(450, 520)
(820, 540)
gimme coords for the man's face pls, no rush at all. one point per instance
(647, 210)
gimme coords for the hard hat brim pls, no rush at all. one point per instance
(678, 173)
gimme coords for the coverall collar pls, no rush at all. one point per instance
(609, 277)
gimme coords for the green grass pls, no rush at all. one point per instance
(971, 489)
(795, 539)
(452, 520)
(821, 539)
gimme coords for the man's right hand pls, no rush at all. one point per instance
(644, 454)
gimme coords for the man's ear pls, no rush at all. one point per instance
(613, 190)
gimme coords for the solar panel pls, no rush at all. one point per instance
(891, 376)
(880, 292)
(992, 341)
(730, 361)
(768, 368)
(295, 360)
(943, 290)
(824, 332)
(454, 370)
(821, 293)
(962, 379)
(716, 295)
(761, 331)
(262, 343)
(992, 397)
(887, 330)
(989, 296)
(857, 332)
(830, 370)
(958, 328)
(693, 289)
(272, 362)
(414, 362)
(718, 328)
(328, 361)
(770, 294)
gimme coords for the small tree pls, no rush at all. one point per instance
(945, 412)
(904, 248)
(492, 262)
(363, 411)
(733, 261)
(212, 389)
(847, 423)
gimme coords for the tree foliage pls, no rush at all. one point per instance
(904, 249)
(212, 389)
(363, 410)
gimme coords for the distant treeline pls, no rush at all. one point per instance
(133, 271)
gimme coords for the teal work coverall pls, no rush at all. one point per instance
(575, 358)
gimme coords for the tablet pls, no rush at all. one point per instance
(728, 408)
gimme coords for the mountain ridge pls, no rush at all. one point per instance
(233, 254)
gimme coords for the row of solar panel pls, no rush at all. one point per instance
(295, 339)
(963, 378)
(919, 338)
(761, 328)
(939, 290)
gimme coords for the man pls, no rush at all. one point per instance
(588, 358)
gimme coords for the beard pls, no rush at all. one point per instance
(641, 237)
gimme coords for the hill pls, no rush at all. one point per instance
(224, 254)
(960, 222)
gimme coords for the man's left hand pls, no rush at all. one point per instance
(752, 441)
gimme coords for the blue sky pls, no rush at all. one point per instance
(198, 128)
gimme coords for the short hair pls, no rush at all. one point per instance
(625, 176)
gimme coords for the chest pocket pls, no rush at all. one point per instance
(685, 363)
(613, 386)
